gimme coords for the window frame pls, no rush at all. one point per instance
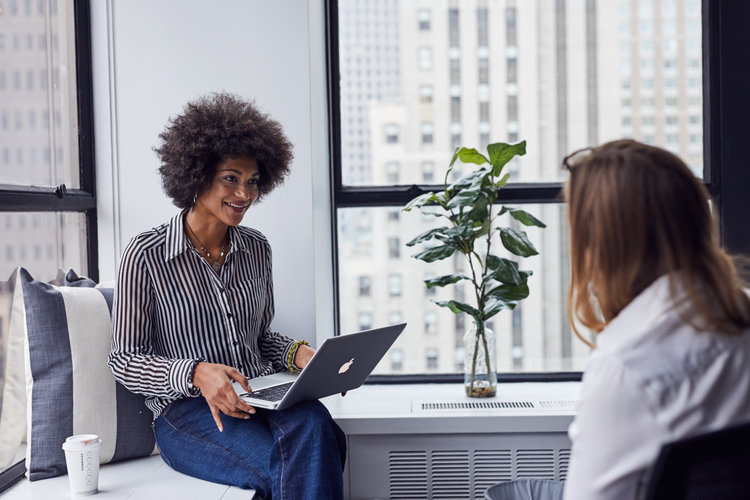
(725, 104)
(19, 198)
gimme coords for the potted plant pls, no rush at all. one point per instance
(468, 205)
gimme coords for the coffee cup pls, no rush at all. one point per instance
(82, 453)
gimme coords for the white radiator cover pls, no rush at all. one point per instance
(458, 466)
(438, 446)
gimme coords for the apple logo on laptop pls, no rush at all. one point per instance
(346, 366)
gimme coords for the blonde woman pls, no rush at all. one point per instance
(670, 320)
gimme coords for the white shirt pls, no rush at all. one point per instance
(652, 379)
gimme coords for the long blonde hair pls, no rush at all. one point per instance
(637, 212)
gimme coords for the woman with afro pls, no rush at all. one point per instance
(193, 308)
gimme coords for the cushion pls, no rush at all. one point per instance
(69, 386)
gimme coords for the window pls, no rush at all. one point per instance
(425, 92)
(364, 286)
(47, 198)
(430, 323)
(394, 247)
(572, 115)
(428, 172)
(397, 359)
(423, 19)
(426, 130)
(431, 358)
(365, 320)
(392, 172)
(391, 133)
(425, 58)
(394, 285)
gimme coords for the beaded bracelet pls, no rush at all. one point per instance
(292, 352)
(191, 388)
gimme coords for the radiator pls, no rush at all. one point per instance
(456, 450)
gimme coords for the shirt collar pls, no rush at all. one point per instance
(177, 241)
(639, 316)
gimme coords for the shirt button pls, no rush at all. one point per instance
(229, 315)
(236, 343)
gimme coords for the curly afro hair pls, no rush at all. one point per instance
(211, 130)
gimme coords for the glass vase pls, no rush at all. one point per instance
(480, 362)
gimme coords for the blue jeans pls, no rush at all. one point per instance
(294, 454)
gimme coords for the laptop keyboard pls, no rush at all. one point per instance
(274, 393)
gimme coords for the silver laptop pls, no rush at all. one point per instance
(340, 364)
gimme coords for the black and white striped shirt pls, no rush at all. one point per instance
(170, 309)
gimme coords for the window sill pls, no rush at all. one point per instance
(444, 408)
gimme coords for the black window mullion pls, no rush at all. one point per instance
(380, 196)
(44, 199)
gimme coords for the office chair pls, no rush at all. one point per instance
(710, 466)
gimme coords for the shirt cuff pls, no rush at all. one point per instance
(181, 377)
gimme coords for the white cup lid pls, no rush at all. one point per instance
(81, 441)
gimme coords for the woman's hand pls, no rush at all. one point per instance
(303, 355)
(215, 383)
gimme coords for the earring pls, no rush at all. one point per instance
(195, 197)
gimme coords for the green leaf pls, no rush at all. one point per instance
(448, 279)
(493, 307)
(517, 242)
(459, 307)
(464, 198)
(471, 155)
(435, 253)
(504, 270)
(502, 182)
(427, 235)
(510, 293)
(501, 153)
(421, 200)
(479, 210)
(523, 217)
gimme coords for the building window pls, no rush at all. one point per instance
(482, 27)
(394, 247)
(365, 282)
(391, 133)
(423, 19)
(427, 129)
(455, 109)
(455, 71)
(397, 359)
(392, 172)
(453, 29)
(431, 358)
(394, 285)
(425, 93)
(424, 59)
(428, 172)
(365, 320)
(430, 323)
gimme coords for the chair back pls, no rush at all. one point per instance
(711, 466)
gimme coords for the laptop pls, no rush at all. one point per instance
(340, 364)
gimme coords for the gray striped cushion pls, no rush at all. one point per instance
(70, 388)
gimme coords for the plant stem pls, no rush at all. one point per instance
(474, 362)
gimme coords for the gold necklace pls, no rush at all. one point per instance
(215, 261)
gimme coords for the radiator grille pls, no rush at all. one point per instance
(450, 474)
(535, 464)
(563, 460)
(475, 405)
(490, 467)
(407, 471)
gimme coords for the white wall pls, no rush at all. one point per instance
(150, 58)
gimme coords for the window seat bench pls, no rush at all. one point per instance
(138, 479)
